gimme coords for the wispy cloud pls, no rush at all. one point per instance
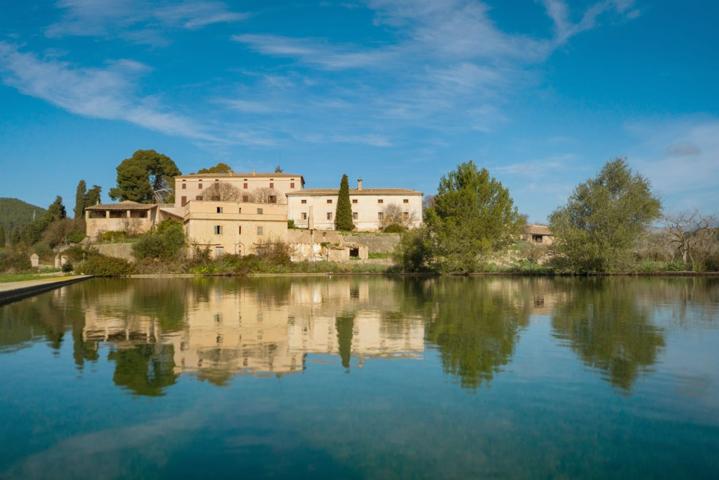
(141, 21)
(107, 93)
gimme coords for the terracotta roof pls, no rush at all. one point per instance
(315, 192)
(536, 229)
(124, 205)
(242, 174)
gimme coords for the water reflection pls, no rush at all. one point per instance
(156, 331)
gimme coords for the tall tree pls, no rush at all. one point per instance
(472, 215)
(604, 218)
(219, 168)
(56, 210)
(343, 216)
(80, 197)
(2, 236)
(93, 196)
(146, 177)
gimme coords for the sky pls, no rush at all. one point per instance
(398, 92)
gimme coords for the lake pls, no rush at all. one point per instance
(363, 377)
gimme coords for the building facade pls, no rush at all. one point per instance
(372, 208)
(245, 187)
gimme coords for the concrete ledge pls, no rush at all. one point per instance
(13, 291)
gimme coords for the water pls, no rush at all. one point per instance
(362, 378)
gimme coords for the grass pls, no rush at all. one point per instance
(20, 277)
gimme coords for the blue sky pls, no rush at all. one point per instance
(541, 92)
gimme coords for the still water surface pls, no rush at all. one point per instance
(362, 378)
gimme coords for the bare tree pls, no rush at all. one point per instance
(693, 237)
(393, 215)
(221, 192)
(267, 195)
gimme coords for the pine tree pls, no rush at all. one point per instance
(80, 196)
(56, 210)
(93, 196)
(343, 216)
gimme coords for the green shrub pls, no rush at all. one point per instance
(14, 261)
(291, 224)
(67, 267)
(102, 266)
(114, 237)
(165, 243)
(394, 228)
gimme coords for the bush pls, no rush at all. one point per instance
(291, 224)
(67, 267)
(413, 252)
(394, 228)
(14, 261)
(165, 243)
(102, 266)
(114, 236)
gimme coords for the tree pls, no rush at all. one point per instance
(278, 169)
(80, 197)
(393, 216)
(693, 237)
(603, 220)
(56, 210)
(221, 192)
(146, 177)
(343, 216)
(93, 196)
(2, 236)
(219, 168)
(472, 215)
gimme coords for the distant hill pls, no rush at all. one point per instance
(14, 212)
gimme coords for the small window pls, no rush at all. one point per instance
(272, 185)
(292, 184)
(239, 229)
(329, 215)
(354, 200)
(217, 179)
(354, 215)
(260, 211)
(379, 200)
(272, 199)
(219, 209)
(199, 185)
(198, 197)
(215, 198)
(184, 186)
(244, 185)
(245, 198)
(218, 229)
(380, 215)
(329, 200)
(260, 231)
(537, 238)
(406, 200)
(304, 215)
(219, 250)
(354, 252)
(239, 210)
(183, 200)
(303, 202)
(405, 215)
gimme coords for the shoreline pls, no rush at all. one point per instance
(13, 291)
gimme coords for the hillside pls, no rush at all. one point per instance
(14, 212)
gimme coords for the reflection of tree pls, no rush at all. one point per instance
(344, 325)
(608, 330)
(145, 369)
(475, 325)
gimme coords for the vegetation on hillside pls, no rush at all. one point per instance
(16, 214)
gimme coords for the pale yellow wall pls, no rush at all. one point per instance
(367, 208)
(192, 190)
(202, 217)
(95, 226)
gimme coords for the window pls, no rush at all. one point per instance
(406, 200)
(245, 198)
(239, 210)
(329, 215)
(272, 185)
(260, 231)
(260, 211)
(537, 238)
(380, 216)
(183, 200)
(199, 185)
(292, 184)
(329, 200)
(303, 202)
(219, 250)
(217, 179)
(405, 215)
(354, 215)
(304, 215)
(239, 229)
(218, 229)
(198, 197)
(354, 252)
(219, 209)
(354, 200)
(272, 199)
(379, 200)
(215, 198)
(244, 185)
(184, 186)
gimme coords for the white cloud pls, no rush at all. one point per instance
(137, 20)
(107, 93)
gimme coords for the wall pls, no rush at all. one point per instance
(192, 186)
(119, 250)
(95, 226)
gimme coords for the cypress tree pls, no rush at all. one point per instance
(93, 196)
(343, 216)
(80, 197)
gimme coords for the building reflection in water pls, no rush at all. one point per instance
(228, 330)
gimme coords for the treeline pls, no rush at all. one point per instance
(610, 223)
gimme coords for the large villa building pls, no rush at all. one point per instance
(235, 212)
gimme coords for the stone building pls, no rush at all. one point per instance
(538, 234)
(272, 187)
(316, 208)
(131, 217)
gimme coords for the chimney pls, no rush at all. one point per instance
(359, 184)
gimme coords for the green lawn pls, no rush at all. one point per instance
(19, 277)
